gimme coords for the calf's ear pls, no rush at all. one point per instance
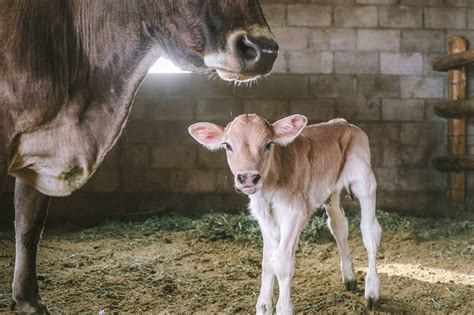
(207, 134)
(287, 129)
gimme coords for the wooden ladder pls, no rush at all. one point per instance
(457, 109)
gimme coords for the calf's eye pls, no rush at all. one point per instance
(268, 146)
(227, 146)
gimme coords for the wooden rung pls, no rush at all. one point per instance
(455, 163)
(453, 61)
(455, 109)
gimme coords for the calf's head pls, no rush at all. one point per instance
(249, 141)
(230, 37)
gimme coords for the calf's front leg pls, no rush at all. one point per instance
(283, 260)
(31, 209)
(264, 302)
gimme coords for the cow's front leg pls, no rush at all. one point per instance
(264, 302)
(31, 209)
(284, 258)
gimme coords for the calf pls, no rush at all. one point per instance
(289, 170)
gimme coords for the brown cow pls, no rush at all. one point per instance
(68, 73)
(290, 170)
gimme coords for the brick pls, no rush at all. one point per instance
(400, 17)
(284, 86)
(358, 109)
(139, 107)
(393, 109)
(223, 109)
(309, 15)
(422, 87)
(112, 158)
(269, 109)
(401, 63)
(311, 62)
(358, 62)
(372, 86)
(470, 19)
(192, 180)
(334, 39)
(275, 14)
(460, 3)
(333, 2)
(355, 16)
(280, 63)
(422, 3)
(376, 156)
(397, 156)
(291, 38)
(413, 179)
(211, 160)
(387, 178)
(173, 157)
(154, 86)
(314, 109)
(387, 2)
(104, 180)
(332, 86)
(225, 181)
(145, 180)
(382, 133)
(381, 40)
(445, 18)
(423, 134)
(135, 156)
(423, 41)
(171, 109)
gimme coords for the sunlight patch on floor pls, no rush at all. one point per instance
(423, 273)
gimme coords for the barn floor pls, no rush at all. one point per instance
(212, 264)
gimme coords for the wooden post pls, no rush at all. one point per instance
(457, 126)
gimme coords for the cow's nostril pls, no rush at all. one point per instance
(248, 49)
(256, 179)
(241, 178)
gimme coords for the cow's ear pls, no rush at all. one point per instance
(207, 134)
(287, 129)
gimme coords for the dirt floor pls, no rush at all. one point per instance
(212, 264)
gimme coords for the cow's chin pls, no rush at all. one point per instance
(237, 76)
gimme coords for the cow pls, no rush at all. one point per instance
(69, 70)
(289, 170)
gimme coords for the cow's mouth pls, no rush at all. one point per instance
(237, 76)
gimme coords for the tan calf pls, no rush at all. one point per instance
(289, 170)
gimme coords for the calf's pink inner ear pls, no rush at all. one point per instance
(207, 134)
(288, 128)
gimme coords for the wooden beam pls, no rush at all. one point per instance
(457, 126)
(455, 109)
(454, 61)
(456, 163)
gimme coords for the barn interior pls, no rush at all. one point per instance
(161, 217)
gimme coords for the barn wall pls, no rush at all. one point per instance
(365, 60)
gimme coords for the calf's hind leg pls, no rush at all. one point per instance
(338, 226)
(31, 209)
(364, 189)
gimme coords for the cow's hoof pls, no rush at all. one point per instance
(351, 285)
(32, 307)
(371, 303)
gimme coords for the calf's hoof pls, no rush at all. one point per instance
(29, 307)
(371, 303)
(351, 285)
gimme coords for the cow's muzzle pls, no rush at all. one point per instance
(248, 181)
(248, 55)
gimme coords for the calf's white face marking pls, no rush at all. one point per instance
(249, 141)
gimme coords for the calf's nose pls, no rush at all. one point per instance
(248, 178)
